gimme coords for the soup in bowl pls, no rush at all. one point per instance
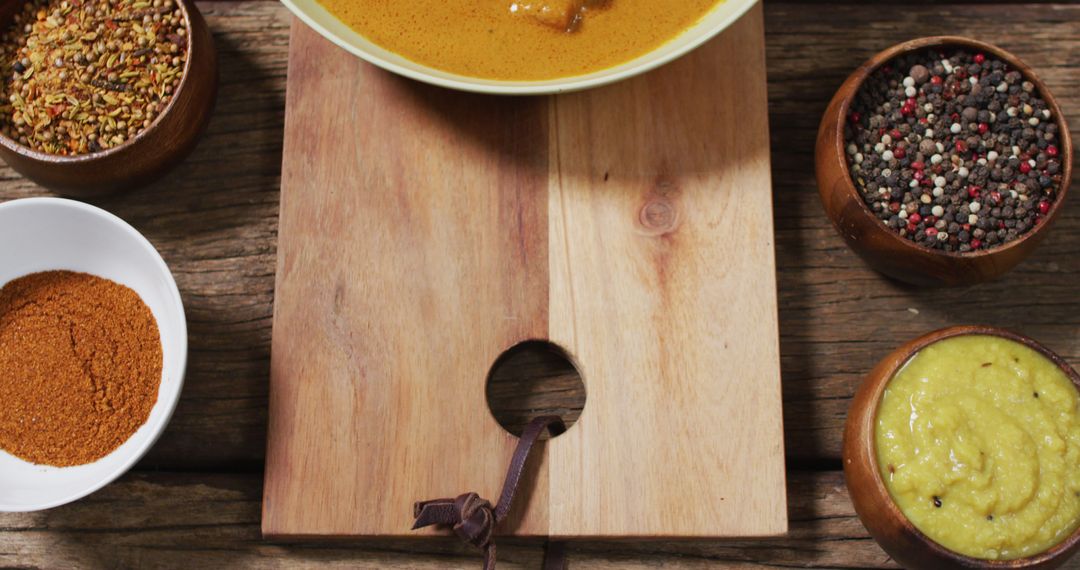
(519, 46)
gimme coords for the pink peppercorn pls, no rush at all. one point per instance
(976, 244)
(1025, 167)
(1051, 150)
(1044, 207)
(980, 58)
(931, 232)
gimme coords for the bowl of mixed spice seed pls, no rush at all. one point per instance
(98, 96)
(943, 161)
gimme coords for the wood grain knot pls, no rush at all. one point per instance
(659, 216)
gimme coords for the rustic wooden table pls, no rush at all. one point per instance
(194, 501)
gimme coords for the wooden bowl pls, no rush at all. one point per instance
(879, 246)
(873, 503)
(148, 155)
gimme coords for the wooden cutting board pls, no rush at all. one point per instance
(424, 232)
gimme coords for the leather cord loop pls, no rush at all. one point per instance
(473, 519)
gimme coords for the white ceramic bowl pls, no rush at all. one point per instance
(39, 234)
(314, 15)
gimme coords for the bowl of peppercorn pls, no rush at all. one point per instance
(943, 161)
(100, 96)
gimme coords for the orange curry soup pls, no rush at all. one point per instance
(520, 39)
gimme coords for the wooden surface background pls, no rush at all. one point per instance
(194, 501)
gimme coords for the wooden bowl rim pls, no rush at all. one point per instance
(868, 439)
(14, 146)
(889, 54)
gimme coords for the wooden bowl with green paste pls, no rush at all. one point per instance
(956, 441)
(62, 118)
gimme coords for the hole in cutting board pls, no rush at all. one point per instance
(534, 378)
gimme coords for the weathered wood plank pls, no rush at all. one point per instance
(167, 520)
(215, 220)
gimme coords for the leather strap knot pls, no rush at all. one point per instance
(473, 518)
